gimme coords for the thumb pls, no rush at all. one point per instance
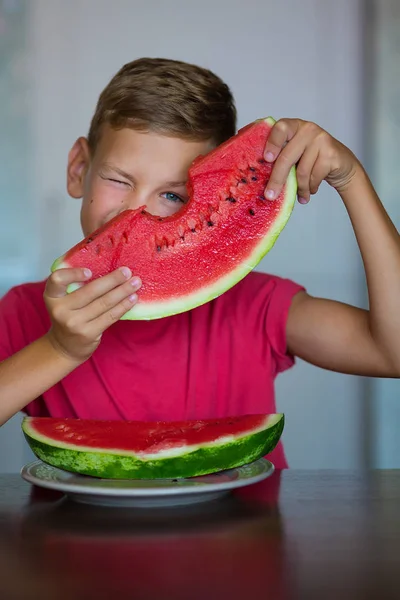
(58, 282)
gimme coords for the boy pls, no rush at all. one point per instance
(69, 355)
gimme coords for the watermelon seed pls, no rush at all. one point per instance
(143, 212)
(193, 230)
(262, 198)
(251, 168)
(251, 212)
(158, 248)
(90, 239)
(261, 161)
(160, 219)
(210, 223)
(230, 199)
(254, 178)
(243, 180)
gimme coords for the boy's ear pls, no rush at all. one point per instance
(78, 166)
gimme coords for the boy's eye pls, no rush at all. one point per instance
(118, 181)
(172, 197)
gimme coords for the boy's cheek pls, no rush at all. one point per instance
(96, 210)
(100, 199)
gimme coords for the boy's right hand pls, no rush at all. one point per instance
(79, 318)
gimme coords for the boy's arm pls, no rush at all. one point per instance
(336, 337)
(30, 372)
(330, 334)
(344, 338)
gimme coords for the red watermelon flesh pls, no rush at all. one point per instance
(132, 449)
(220, 235)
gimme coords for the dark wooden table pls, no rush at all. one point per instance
(299, 534)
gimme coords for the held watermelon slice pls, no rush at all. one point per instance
(199, 253)
(138, 450)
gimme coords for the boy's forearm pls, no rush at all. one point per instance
(379, 244)
(28, 373)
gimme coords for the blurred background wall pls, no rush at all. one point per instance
(335, 63)
(383, 159)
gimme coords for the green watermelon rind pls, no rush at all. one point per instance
(147, 311)
(203, 460)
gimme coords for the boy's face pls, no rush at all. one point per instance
(130, 169)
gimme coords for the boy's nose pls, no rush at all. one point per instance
(136, 200)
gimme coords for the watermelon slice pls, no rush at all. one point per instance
(197, 254)
(137, 450)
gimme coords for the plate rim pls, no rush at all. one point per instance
(177, 490)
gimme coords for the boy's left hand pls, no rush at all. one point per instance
(317, 155)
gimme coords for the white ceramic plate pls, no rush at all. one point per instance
(145, 492)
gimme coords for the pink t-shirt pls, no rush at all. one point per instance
(217, 360)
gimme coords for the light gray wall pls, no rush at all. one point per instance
(286, 58)
(384, 158)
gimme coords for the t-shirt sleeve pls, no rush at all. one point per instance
(8, 315)
(23, 318)
(265, 300)
(22, 321)
(280, 293)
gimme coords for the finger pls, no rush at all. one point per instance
(289, 156)
(303, 173)
(97, 288)
(111, 299)
(281, 133)
(319, 172)
(57, 283)
(114, 314)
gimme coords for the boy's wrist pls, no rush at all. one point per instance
(58, 351)
(359, 183)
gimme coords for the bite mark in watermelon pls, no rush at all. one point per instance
(220, 235)
(145, 450)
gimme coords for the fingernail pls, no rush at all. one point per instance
(270, 194)
(87, 273)
(133, 298)
(126, 272)
(135, 281)
(269, 157)
(303, 200)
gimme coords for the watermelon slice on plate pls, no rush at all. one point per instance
(220, 235)
(147, 450)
